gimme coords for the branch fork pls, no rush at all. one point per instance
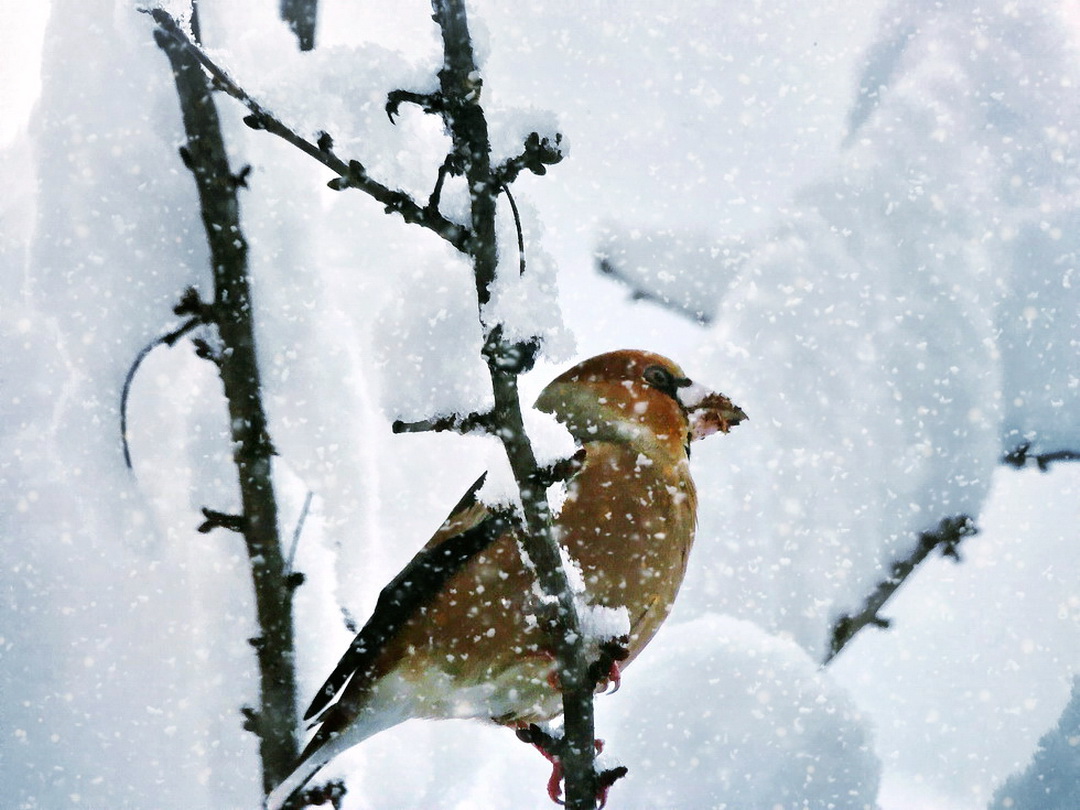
(457, 101)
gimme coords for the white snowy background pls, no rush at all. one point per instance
(876, 205)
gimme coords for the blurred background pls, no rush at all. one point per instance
(859, 221)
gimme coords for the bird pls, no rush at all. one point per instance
(455, 634)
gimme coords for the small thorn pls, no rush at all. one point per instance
(220, 520)
(240, 178)
(190, 303)
(251, 718)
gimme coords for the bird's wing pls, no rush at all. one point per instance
(471, 528)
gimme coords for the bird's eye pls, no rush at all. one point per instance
(662, 380)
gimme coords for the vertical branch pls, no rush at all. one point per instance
(275, 721)
(300, 16)
(458, 101)
(460, 87)
(460, 93)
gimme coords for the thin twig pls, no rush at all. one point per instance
(947, 536)
(351, 174)
(168, 339)
(517, 227)
(1021, 456)
(445, 169)
(441, 424)
(297, 532)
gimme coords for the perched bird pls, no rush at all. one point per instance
(455, 635)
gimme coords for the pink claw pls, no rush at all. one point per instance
(554, 785)
(614, 676)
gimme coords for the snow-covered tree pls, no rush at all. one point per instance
(872, 210)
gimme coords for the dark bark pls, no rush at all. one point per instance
(947, 537)
(300, 16)
(458, 103)
(460, 88)
(231, 313)
(351, 174)
(1021, 456)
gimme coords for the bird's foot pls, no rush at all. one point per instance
(605, 670)
(613, 680)
(554, 783)
(549, 746)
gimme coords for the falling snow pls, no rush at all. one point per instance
(875, 206)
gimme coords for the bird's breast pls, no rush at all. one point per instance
(628, 520)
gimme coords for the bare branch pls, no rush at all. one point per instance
(299, 530)
(460, 107)
(683, 270)
(231, 313)
(1021, 457)
(607, 267)
(351, 174)
(221, 520)
(300, 15)
(948, 535)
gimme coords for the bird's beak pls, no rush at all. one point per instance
(708, 411)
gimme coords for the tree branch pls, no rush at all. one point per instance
(300, 15)
(231, 312)
(458, 103)
(1020, 457)
(440, 424)
(460, 107)
(351, 174)
(948, 535)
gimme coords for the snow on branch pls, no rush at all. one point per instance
(351, 174)
(458, 103)
(1022, 457)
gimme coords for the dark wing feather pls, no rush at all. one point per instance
(410, 590)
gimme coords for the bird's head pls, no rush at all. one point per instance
(638, 397)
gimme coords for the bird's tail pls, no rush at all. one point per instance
(300, 776)
(324, 746)
(337, 732)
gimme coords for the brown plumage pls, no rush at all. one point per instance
(454, 635)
